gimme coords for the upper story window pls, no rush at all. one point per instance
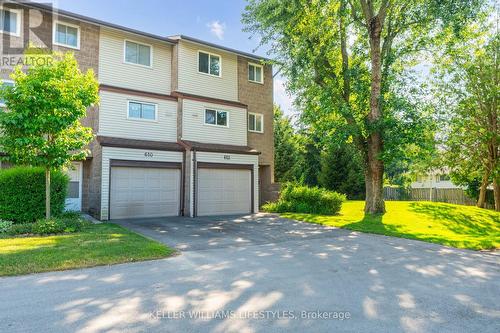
(442, 178)
(67, 35)
(5, 83)
(138, 54)
(209, 63)
(256, 122)
(143, 111)
(216, 117)
(10, 21)
(255, 73)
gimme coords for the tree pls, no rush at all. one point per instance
(342, 57)
(41, 126)
(473, 138)
(287, 155)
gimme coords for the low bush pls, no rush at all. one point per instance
(22, 194)
(5, 226)
(303, 199)
(65, 223)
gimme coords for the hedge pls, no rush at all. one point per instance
(302, 199)
(22, 194)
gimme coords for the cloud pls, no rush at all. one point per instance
(282, 97)
(217, 29)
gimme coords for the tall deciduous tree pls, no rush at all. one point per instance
(41, 126)
(473, 141)
(341, 57)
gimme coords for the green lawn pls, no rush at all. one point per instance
(97, 244)
(453, 225)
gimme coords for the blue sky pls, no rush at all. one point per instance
(217, 21)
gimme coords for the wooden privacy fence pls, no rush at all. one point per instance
(449, 195)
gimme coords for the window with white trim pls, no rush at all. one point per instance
(216, 117)
(67, 35)
(255, 73)
(5, 83)
(256, 122)
(141, 110)
(138, 54)
(10, 21)
(209, 63)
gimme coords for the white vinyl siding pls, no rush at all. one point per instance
(67, 35)
(191, 81)
(114, 71)
(195, 129)
(130, 155)
(10, 21)
(114, 118)
(233, 159)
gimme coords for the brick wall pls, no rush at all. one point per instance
(259, 98)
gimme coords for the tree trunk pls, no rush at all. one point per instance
(482, 190)
(47, 193)
(374, 203)
(496, 192)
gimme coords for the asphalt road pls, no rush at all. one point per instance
(264, 274)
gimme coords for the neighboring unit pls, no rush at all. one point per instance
(184, 127)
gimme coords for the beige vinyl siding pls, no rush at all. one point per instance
(113, 121)
(109, 153)
(192, 82)
(233, 159)
(115, 72)
(195, 129)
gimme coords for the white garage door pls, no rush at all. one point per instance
(144, 192)
(224, 191)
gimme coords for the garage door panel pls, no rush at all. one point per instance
(224, 191)
(144, 192)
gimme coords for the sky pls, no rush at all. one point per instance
(216, 21)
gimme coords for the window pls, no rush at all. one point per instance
(5, 83)
(139, 110)
(10, 21)
(67, 35)
(209, 63)
(255, 73)
(215, 117)
(138, 54)
(255, 122)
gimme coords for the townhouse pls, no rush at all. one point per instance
(184, 127)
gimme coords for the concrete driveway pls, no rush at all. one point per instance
(264, 274)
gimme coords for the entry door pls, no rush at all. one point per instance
(74, 195)
(144, 192)
(224, 191)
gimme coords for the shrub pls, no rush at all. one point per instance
(302, 199)
(50, 226)
(5, 226)
(20, 229)
(22, 194)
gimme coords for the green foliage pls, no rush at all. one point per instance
(22, 194)
(46, 104)
(20, 229)
(342, 171)
(50, 226)
(5, 226)
(287, 149)
(303, 199)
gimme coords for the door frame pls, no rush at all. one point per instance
(80, 186)
(145, 164)
(211, 165)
